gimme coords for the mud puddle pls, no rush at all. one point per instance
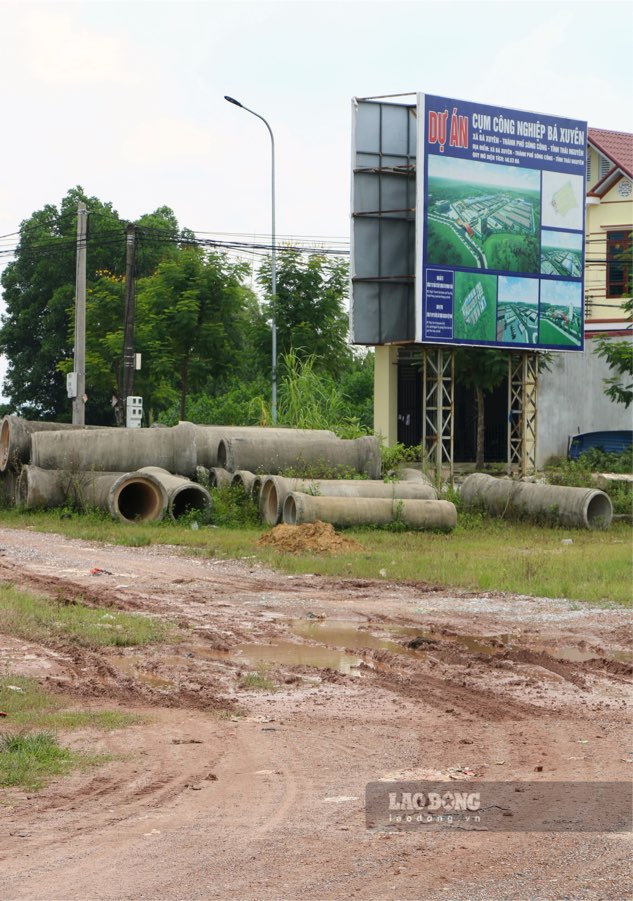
(129, 666)
(287, 653)
(356, 635)
(345, 633)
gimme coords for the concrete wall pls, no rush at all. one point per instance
(571, 399)
(386, 393)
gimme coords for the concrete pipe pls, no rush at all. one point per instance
(407, 474)
(367, 511)
(137, 497)
(44, 488)
(127, 450)
(8, 487)
(219, 478)
(15, 438)
(581, 508)
(208, 437)
(274, 455)
(183, 495)
(244, 480)
(275, 490)
(257, 488)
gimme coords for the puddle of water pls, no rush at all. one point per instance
(128, 666)
(285, 652)
(346, 634)
(579, 655)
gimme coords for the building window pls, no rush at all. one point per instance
(619, 249)
(605, 166)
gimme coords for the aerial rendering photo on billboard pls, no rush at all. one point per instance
(500, 218)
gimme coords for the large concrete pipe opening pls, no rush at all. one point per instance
(5, 437)
(138, 500)
(189, 499)
(598, 510)
(244, 480)
(183, 496)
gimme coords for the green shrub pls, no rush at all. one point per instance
(233, 509)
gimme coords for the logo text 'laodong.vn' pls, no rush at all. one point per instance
(429, 807)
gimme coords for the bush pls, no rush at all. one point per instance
(580, 474)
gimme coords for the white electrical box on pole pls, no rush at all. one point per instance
(78, 384)
(133, 412)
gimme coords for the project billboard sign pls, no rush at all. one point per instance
(500, 226)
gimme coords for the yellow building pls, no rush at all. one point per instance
(609, 223)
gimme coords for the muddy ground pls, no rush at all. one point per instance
(232, 790)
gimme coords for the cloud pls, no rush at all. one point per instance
(166, 139)
(51, 46)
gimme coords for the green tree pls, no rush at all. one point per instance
(194, 312)
(482, 369)
(619, 356)
(309, 308)
(39, 289)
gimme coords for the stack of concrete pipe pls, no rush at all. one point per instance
(15, 439)
(53, 464)
(146, 495)
(275, 490)
(581, 508)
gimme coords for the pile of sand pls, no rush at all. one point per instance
(314, 537)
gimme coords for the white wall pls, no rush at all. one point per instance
(571, 399)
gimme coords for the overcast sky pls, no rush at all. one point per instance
(126, 98)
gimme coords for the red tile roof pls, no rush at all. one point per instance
(617, 145)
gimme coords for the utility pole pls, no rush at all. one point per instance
(78, 390)
(128, 340)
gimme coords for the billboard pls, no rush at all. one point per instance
(500, 214)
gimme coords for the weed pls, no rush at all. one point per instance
(37, 618)
(27, 704)
(580, 474)
(30, 759)
(257, 681)
(233, 509)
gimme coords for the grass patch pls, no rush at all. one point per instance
(38, 618)
(27, 704)
(30, 754)
(257, 681)
(30, 760)
(487, 554)
(481, 554)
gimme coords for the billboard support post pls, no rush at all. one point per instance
(522, 412)
(438, 413)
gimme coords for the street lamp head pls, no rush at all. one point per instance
(232, 100)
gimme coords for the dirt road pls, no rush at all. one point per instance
(278, 700)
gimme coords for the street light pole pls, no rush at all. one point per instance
(273, 254)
